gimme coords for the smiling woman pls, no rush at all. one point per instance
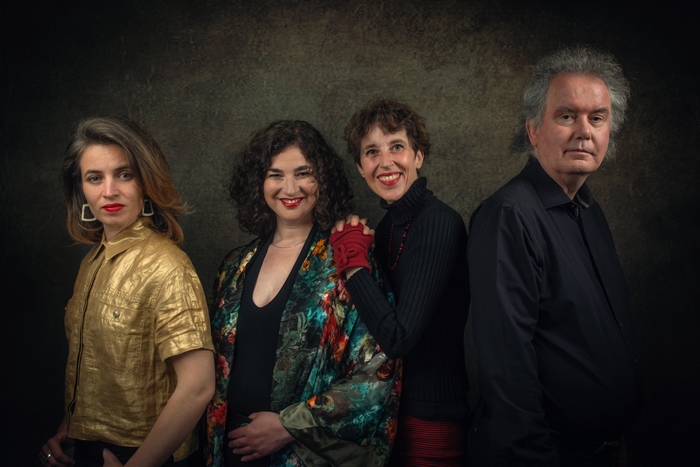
(290, 188)
(299, 379)
(388, 163)
(421, 242)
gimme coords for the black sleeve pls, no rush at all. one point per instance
(505, 272)
(426, 263)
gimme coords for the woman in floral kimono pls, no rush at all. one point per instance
(299, 380)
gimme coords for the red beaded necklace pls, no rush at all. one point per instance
(403, 242)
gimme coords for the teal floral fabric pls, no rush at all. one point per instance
(323, 359)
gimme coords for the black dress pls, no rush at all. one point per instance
(257, 338)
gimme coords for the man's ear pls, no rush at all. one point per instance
(532, 132)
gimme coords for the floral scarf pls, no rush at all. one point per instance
(327, 364)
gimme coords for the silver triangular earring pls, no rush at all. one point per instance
(82, 214)
(147, 202)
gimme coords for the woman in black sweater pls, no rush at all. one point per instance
(421, 245)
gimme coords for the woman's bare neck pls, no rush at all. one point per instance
(290, 236)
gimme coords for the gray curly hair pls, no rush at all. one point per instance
(575, 61)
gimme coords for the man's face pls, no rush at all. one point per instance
(573, 138)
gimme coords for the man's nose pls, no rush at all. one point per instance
(583, 128)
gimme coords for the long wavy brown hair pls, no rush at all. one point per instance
(146, 159)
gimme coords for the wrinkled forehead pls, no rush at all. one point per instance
(577, 85)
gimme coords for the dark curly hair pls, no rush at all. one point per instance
(253, 161)
(392, 115)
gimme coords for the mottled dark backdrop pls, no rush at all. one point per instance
(202, 75)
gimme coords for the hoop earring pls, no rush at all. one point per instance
(82, 214)
(147, 202)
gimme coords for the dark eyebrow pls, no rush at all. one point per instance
(296, 169)
(116, 169)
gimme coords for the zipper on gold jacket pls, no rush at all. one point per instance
(71, 405)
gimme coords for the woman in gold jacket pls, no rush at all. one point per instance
(140, 369)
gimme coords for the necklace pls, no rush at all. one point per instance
(403, 242)
(289, 246)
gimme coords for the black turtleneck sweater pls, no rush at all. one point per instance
(431, 287)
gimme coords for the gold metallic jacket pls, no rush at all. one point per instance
(137, 301)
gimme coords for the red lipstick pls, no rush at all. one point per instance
(291, 202)
(113, 207)
(389, 179)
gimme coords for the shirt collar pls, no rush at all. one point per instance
(135, 233)
(549, 191)
(402, 210)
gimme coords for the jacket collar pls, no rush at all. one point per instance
(132, 235)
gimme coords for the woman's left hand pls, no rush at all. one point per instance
(260, 438)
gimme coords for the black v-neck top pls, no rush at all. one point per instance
(257, 336)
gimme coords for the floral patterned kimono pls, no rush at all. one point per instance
(336, 391)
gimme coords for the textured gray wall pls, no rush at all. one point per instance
(203, 75)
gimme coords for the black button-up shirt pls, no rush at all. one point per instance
(551, 320)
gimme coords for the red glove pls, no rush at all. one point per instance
(351, 248)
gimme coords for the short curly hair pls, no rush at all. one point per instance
(253, 161)
(392, 115)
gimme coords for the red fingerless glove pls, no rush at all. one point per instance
(351, 248)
